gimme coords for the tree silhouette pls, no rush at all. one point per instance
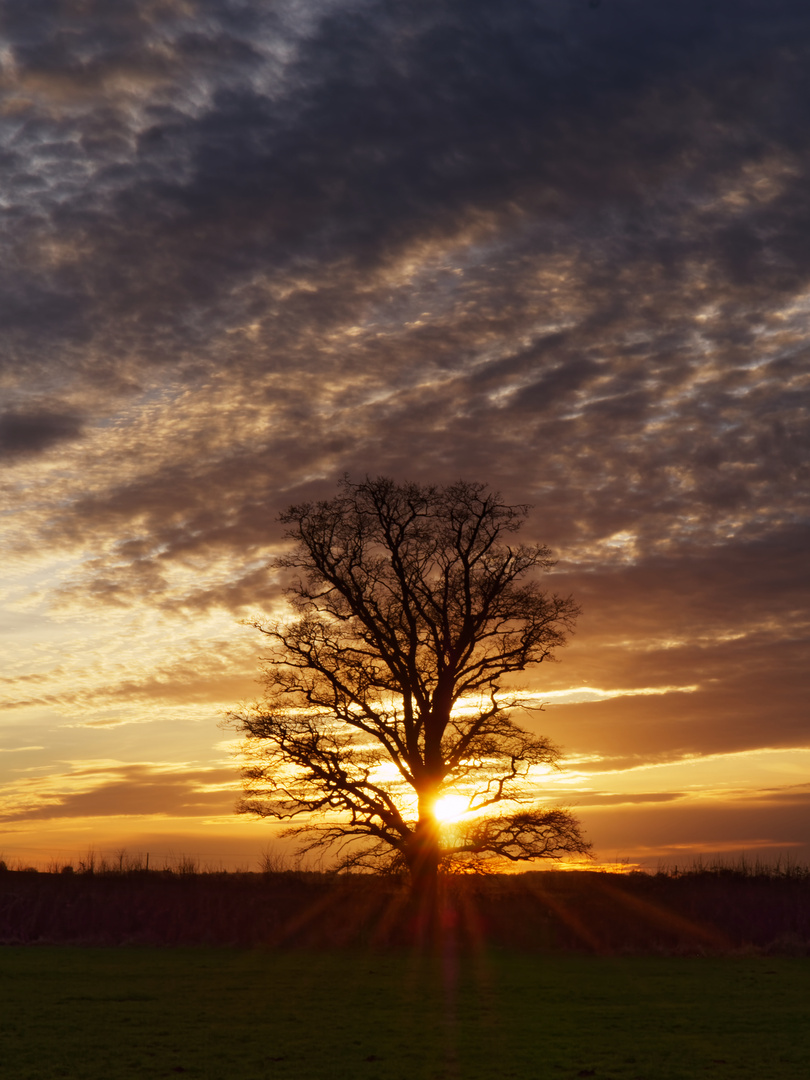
(384, 691)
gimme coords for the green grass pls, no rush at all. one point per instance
(230, 1014)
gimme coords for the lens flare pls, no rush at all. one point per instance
(450, 808)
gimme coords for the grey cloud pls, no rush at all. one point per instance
(28, 433)
(385, 127)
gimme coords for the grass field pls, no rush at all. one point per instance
(228, 1014)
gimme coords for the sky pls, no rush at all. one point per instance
(559, 247)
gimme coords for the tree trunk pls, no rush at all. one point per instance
(425, 849)
(423, 863)
(423, 856)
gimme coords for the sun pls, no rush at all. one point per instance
(451, 808)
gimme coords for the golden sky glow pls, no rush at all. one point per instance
(451, 808)
(559, 249)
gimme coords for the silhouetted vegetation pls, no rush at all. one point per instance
(703, 910)
(412, 605)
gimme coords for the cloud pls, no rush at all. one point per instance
(24, 433)
(116, 789)
(681, 830)
(599, 799)
(557, 248)
(520, 235)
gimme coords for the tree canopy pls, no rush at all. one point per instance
(384, 689)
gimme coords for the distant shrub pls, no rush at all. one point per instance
(87, 865)
(784, 868)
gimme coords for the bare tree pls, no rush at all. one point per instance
(384, 691)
